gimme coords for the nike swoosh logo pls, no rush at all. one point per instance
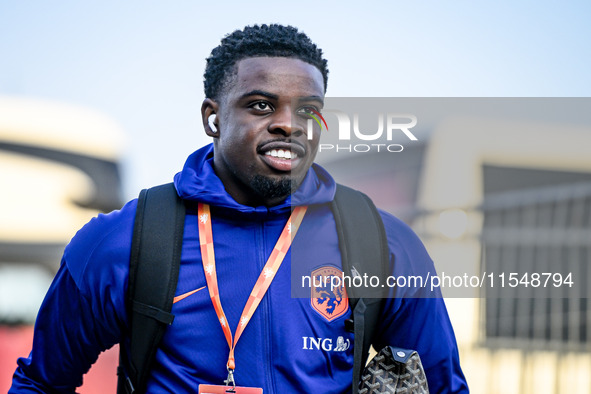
(183, 296)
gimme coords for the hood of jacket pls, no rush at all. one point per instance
(199, 182)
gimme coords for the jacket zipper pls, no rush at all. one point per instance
(266, 315)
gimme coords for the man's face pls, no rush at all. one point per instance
(261, 148)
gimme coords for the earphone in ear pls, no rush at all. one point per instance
(211, 123)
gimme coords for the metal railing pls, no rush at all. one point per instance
(538, 231)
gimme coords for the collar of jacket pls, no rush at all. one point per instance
(199, 182)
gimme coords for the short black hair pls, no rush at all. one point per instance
(258, 41)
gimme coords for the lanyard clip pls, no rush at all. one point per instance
(230, 381)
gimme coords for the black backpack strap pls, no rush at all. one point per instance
(153, 275)
(364, 251)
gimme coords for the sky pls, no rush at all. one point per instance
(141, 62)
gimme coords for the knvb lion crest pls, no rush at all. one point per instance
(330, 302)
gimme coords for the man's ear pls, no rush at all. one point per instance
(209, 110)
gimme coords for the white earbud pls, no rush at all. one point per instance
(211, 123)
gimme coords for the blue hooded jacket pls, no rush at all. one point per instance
(291, 345)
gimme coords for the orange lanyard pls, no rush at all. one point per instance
(263, 282)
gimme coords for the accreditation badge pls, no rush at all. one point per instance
(215, 389)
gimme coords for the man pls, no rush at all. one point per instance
(261, 83)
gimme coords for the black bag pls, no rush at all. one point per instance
(362, 242)
(394, 370)
(157, 237)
